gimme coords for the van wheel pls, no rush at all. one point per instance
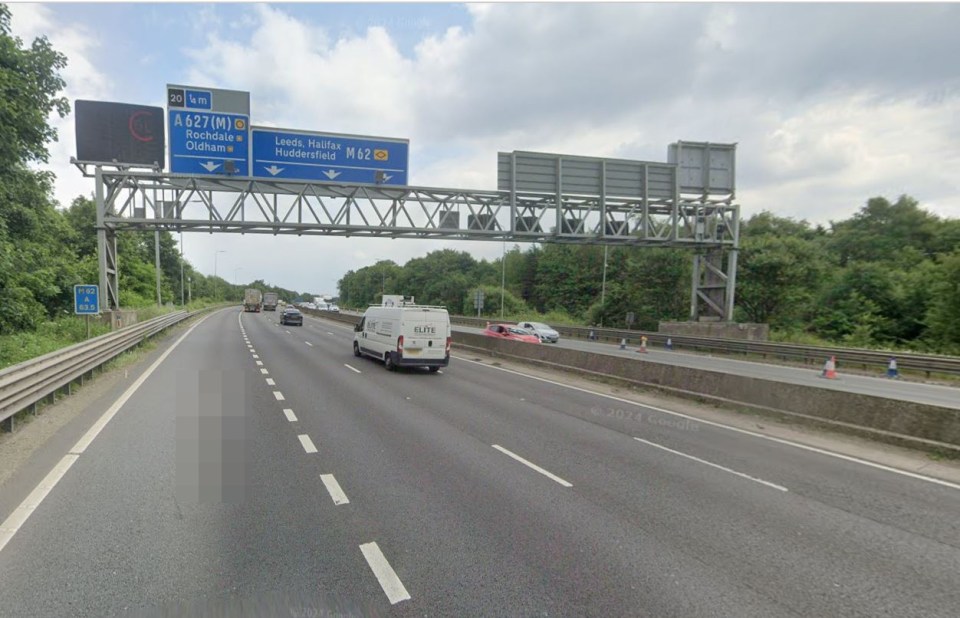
(388, 362)
(434, 369)
(356, 349)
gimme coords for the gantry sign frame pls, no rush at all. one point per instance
(579, 206)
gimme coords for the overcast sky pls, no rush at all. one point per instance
(829, 104)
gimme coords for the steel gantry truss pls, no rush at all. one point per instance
(129, 199)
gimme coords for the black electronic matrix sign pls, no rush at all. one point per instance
(119, 133)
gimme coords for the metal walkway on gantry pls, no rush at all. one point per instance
(540, 199)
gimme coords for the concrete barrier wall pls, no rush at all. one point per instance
(721, 330)
(928, 423)
(886, 418)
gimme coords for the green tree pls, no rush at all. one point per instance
(34, 271)
(778, 278)
(943, 317)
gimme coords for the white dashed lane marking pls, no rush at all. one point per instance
(385, 574)
(532, 466)
(307, 443)
(333, 488)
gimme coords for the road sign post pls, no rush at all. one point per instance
(86, 302)
(327, 157)
(478, 300)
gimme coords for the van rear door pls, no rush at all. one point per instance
(425, 333)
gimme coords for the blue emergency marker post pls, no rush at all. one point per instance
(86, 302)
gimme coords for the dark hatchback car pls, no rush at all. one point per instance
(291, 316)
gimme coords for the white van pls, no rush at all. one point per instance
(404, 336)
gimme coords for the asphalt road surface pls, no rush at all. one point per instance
(931, 394)
(264, 470)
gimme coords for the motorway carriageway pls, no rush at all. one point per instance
(930, 394)
(327, 484)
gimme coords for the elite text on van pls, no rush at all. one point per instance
(404, 336)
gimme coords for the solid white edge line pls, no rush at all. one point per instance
(352, 368)
(98, 426)
(271, 382)
(307, 443)
(19, 516)
(290, 415)
(391, 584)
(711, 464)
(533, 466)
(278, 395)
(22, 513)
(333, 488)
(747, 432)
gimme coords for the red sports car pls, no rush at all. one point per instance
(510, 331)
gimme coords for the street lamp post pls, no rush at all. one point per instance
(603, 287)
(503, 275)
(181, 269)
(217, 253)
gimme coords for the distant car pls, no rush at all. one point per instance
(291, 316)
(509, 331)
(333, 308)
(541, 330)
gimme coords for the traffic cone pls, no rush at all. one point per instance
(669, 343)
(643, 345)
(892, 371)
(830, 369)
(623, 343)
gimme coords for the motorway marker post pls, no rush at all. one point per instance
(669, 343)
(623, 343)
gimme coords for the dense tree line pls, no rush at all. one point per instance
(45, 250)
(888, 275)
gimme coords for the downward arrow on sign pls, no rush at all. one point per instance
(331, 174)
(209, 166)
(274, 170)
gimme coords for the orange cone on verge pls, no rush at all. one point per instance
(643, 345)
(830, 369)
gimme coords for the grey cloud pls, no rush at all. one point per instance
(526, 66)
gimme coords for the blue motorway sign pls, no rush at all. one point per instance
(208, 142)
(329, 157)
(86, 299)
(209, 131)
